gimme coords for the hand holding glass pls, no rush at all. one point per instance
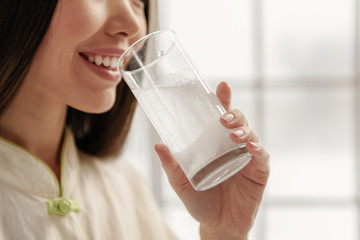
(182, 109)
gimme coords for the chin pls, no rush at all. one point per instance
(98, 109)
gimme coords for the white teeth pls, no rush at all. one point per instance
(113, 62)
(106, 61)
(98, 60)
(109, 62)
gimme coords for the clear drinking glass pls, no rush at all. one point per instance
(182, 109)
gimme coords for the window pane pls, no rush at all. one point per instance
(311, 223)
(309, 134)
(245, 100)
(217, 35)
(308, 38)
(180, 222)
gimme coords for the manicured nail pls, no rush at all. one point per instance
(239, 133)
(256, 146)
(228, 117)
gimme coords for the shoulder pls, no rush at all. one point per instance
(115, 175)
(113, 168)
(122, 189)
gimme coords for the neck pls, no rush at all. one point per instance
(36, 124)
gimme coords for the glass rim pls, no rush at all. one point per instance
(147, 36)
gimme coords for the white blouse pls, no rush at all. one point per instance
(96, 199)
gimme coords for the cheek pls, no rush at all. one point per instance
(78, 16)
(72, 25)
(58, 55)
(63, 83)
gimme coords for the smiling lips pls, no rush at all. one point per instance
(103, 63)
(108, 62)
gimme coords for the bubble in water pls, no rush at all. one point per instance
(160, 53)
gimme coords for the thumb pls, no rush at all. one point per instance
(175, 174)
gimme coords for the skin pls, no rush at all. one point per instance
(36, 118)
(57, 78)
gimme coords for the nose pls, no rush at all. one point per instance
(123, 20)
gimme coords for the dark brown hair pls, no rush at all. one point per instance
(23, 25)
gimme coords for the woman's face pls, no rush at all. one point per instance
(76, 62)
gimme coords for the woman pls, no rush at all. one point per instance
(65, 115)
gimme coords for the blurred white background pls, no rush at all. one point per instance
(294, 70)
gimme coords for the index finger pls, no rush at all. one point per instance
(223, 92)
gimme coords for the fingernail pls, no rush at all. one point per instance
(228, 117)
(239, 133)
(255, 145)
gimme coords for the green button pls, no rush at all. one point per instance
(65, 206)
(62, 206)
